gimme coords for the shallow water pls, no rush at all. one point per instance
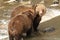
(51, 18)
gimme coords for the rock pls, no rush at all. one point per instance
(49, 29)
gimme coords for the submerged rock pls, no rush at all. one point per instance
(49, 29)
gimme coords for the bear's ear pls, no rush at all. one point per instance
(34, 6)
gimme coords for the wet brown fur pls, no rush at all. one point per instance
(21, 9)
(19, 24)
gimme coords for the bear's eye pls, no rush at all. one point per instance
(43, 10)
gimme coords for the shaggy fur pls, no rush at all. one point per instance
(19, 24)
(21, 9)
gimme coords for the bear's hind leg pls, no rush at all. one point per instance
(29, 32)
(11, 37)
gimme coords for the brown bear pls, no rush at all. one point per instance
(40, 11)
(19, 24)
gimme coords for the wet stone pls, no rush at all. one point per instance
(49, 29)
